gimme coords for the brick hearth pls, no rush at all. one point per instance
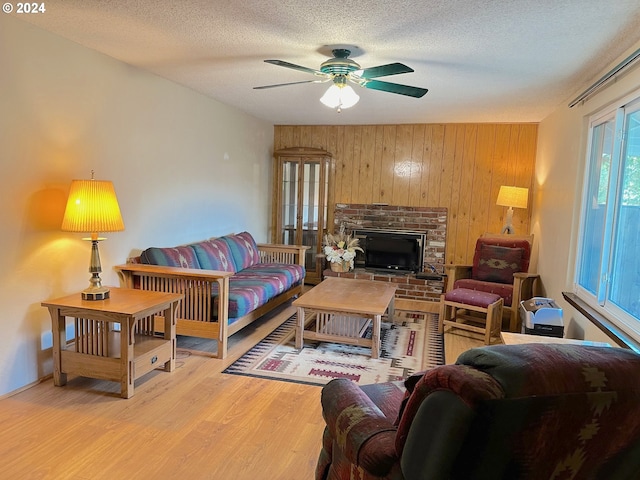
(409, 287)
(430, 220)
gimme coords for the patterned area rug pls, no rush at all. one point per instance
(409, 344)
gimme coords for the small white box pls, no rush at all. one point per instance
(542, 316)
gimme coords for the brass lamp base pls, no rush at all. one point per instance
(95, 291)
(99, 293)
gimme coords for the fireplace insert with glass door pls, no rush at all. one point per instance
(390, 250)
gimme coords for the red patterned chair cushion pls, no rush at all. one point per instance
(497, 264)
(467, 296)
(502, 289)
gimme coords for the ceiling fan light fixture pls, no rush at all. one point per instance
(340, 96)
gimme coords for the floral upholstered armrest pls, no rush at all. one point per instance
(359, 428)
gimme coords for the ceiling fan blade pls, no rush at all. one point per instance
(384, 70)
(416, 92)
(282, 63)
(285, 84)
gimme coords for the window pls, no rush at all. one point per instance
(608, 266)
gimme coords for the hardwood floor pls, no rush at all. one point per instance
(194, 423)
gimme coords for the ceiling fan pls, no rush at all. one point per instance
(341, 70)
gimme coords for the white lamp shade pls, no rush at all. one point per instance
(516, 197)
(340, 96)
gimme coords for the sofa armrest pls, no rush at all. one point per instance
(281, 253)
(358, 428)
(130, 269)
(196, 284)
(456, 272)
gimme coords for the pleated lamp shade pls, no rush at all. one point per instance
(92, 207)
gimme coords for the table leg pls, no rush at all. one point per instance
(170, 334)
(58, 328)
(391, 309)
(300, 328)
(127, 341)
(375, 337)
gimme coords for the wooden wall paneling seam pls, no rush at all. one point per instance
(336, 142)
(357, 163)
(500, 173)
(377, 164)
(365, 182)
(526, 174)
(401, 166)
(388, 153)
(514, 153)
(481, 205)
(416, 162)
(427, 164)
(446, 186)
(347, 171)
(468, 160)
(458, 154)
(436, 161)
(319, 137)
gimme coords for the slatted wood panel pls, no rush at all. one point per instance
(457, 166)
(343, 325)
(92, 337)
(197, 295)
(276, 257)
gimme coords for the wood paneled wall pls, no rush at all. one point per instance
(457, 166)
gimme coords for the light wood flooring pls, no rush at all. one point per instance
(194, 423)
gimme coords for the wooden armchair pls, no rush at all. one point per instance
(500, 266)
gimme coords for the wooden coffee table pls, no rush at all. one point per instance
(340, 310)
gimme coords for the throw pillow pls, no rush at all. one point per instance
(497, 264)
(243, 249)
(214, 254)
(183, 257)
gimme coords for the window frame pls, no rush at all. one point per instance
(599, 301)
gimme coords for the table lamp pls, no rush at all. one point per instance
(92, 207)
(512, 197)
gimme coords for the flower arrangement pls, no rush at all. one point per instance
(340, 249)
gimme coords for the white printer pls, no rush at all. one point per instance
(541, 316)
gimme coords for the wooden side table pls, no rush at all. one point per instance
(101, 351)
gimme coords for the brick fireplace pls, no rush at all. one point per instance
(429, 220)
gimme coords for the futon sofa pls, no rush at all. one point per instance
(228, 282)
(512, 412)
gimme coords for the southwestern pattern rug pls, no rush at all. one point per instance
(408, 344)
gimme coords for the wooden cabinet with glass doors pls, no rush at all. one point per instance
(301, 199)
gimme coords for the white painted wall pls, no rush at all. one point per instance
(560, 167)
(185, 167)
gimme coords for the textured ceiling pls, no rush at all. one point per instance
(482, 60)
